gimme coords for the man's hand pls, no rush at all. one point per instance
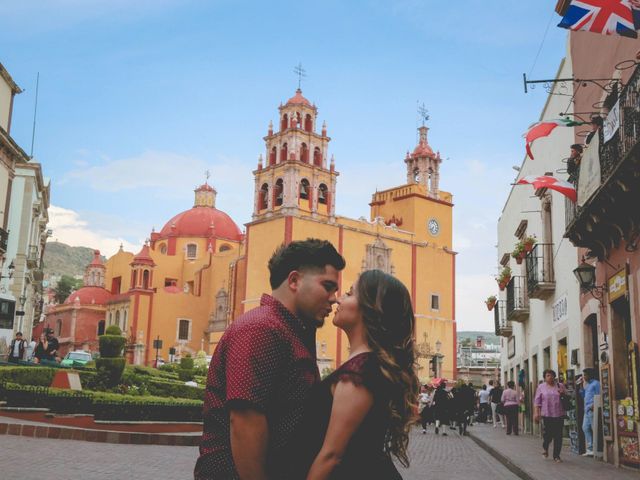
(249, 440)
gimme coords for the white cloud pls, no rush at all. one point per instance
(68, 227)
(471, 292)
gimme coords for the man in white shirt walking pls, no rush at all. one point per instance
(485, 407)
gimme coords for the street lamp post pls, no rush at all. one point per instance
(438, 359)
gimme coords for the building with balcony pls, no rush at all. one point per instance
(604, 225)
(537, 313)
(24, 203)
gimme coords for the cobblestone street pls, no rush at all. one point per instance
(450, 457)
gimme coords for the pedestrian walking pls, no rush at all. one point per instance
(265, 365)
(441, 407)
(17, 349)
(590, 386)
(548, 406)
(484, 405)
(31, 349)
(424, 408)
(495, 397)
(511, 403)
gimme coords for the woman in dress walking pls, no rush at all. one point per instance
(548, 405)
(511, 404)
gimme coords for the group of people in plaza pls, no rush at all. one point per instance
(44, 350)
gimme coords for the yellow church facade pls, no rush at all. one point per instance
(201, 271)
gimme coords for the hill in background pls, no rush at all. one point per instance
(61, 259)
(489, 337)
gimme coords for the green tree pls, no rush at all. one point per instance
(66, 285)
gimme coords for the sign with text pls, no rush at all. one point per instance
(589, 179)
(560, 310)
(612, 122)
(618, 285)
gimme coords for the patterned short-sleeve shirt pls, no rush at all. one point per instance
(266, 360)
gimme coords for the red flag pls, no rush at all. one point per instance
(552, 183)
(543, 129)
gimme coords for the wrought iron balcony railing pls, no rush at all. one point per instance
(502, 325)
(33, 258)
(517, 299)
(541, 281)
(607, 217)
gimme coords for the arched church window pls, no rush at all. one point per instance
(430, 179)
(416, 175)
(263, 197)
(224, 247)
(273, 156)
(304, 189)
(304, 153)
(163, 249)
(284, 124)
(117, 318)
(278, 192)
(134, 279)
(58, 327)
(101, 327)
(192, 251)
(308, 123)
(317, 157)
(145, 279)
(283, 153)
(323, 194)
(124, 321)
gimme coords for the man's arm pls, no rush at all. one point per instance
(249, 440)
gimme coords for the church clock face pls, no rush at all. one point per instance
(433, 226)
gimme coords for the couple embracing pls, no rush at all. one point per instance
(268, 416)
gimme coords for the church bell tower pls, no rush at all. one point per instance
(295, 178)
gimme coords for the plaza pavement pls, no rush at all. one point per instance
(24, 458)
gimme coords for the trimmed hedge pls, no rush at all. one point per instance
(104, 406)
(113, 330)
(110, 370)
(172, 389)
(111, 345)
(38, 376)
(55, 399)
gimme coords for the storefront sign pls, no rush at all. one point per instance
(612, 122)
(617, 285)
(606, 402)
(560, 310)
(589, 179)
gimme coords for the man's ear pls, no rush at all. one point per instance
(293, 280)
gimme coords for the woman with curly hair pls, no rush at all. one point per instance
(361, 414)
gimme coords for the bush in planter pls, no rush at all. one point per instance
(491, 302)
(111, 364)
(113, 330)
(186, 363)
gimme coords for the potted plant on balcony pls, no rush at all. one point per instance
(519, 252)
(529, 241)
(491, 302)
(504, 278)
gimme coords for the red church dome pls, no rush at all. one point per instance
(423, 150)
(89, 296)
(298, 99)
(202, 222)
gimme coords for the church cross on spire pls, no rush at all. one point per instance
(424, 113)
(300, 72)
(207, 175)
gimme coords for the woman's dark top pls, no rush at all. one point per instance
(442, 403)
(364, 456)
(40, 352)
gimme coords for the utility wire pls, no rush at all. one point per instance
(544, 37)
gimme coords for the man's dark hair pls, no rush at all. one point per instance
(597, 120)
(591, 372)
(511, 384)
(577, 147)
(303, 255)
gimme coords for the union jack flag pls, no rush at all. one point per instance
(607, 17)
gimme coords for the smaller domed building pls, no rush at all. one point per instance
(81, 318)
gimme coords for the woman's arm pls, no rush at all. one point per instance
(351, 403)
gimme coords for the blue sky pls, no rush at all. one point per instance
(138, 99)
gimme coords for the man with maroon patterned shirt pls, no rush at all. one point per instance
(264, 366)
